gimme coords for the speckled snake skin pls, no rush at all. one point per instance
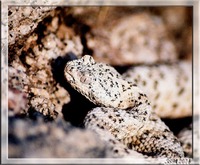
(125, 112)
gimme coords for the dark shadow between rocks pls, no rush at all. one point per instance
(176, 125)
(76, 110)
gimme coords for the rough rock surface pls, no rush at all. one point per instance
(23, 20)
(32, 71)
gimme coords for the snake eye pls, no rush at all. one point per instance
(85, 77)
(85, 80)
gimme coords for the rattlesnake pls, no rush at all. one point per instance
(125, 113)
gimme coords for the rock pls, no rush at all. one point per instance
(22, 21)
(17, 102)
(178, 21)
(39, 139)
(35, 62)
(138, 38)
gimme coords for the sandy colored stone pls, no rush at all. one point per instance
(35, 60)
(23, 20)
(179, 22)
(138, 38)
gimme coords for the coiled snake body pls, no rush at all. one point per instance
(125, 112)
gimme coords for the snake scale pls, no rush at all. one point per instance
(155, 80)
(125, 113)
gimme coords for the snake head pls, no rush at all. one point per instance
(98, 82)
(80, 74)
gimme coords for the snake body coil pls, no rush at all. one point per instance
(125, 112)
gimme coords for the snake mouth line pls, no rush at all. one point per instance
(69, 77)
